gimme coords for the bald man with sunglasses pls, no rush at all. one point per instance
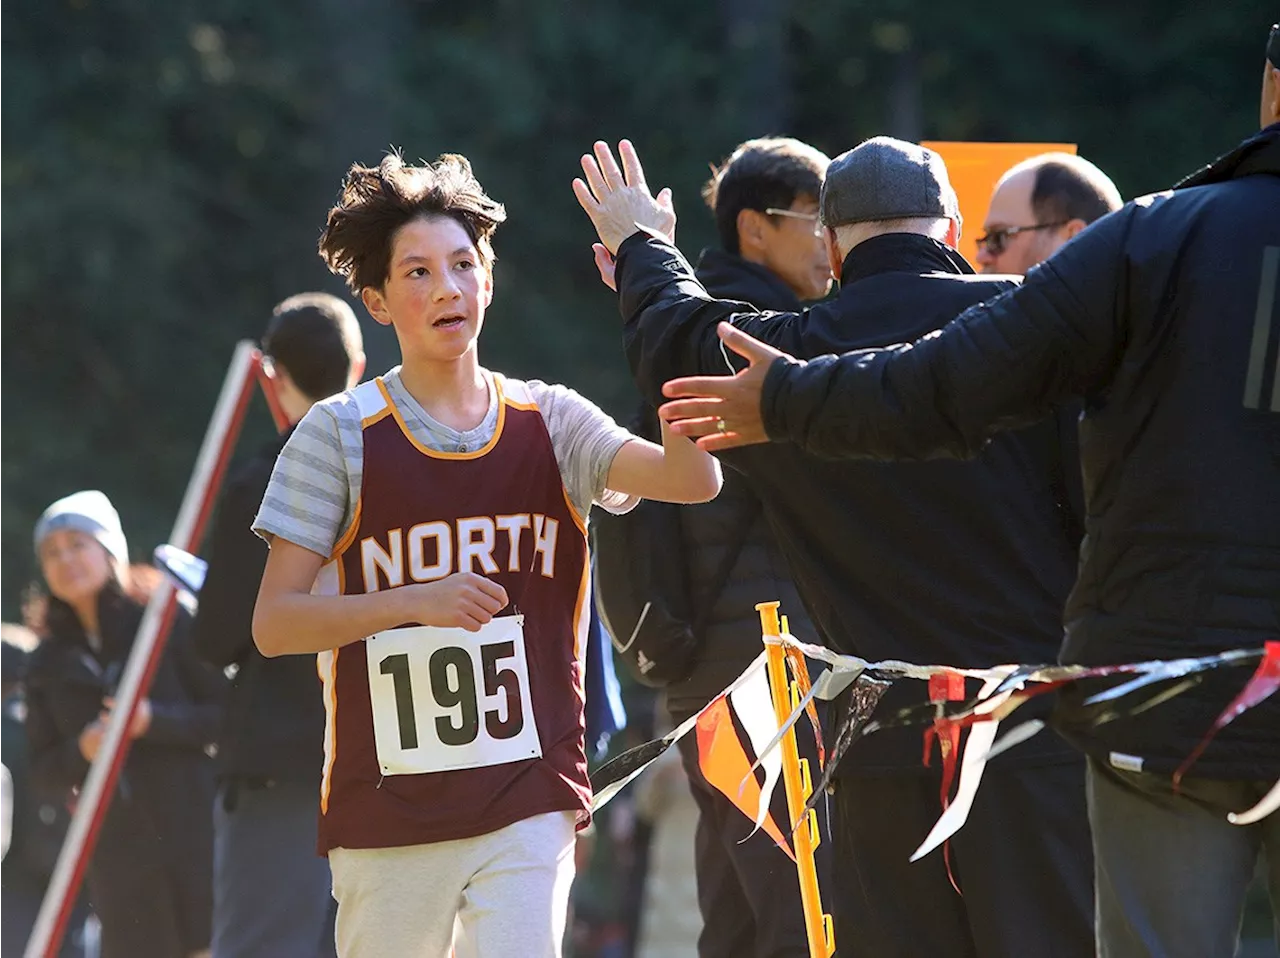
(1037, 206)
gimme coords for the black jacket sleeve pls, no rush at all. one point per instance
(13, 666)
(671, 320)
(1068, 480)
(56, 762)
(999, 365)
(194, 719)
(223, 631)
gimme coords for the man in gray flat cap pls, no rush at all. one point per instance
(962, 564)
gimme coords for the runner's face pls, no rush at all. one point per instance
(74, 564)
(436, 292)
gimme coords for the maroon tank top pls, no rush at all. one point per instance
(501, 511)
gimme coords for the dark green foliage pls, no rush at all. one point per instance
(167, 167)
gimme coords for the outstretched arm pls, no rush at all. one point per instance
(999, 365)
(670, 318)
(676, 471)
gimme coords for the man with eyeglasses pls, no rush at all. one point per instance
(1037, 206)
(966, 564)
(765, 201)
(1165, 317)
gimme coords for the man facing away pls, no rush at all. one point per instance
(765, 202)
(1037, 206)
(1165, 317)
(940, 562)
(271, 890)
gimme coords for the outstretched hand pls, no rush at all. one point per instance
(620, 204)
(722, 412)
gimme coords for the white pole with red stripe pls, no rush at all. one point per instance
(99, 785)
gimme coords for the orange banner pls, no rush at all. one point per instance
(726, 766)
(975, 168)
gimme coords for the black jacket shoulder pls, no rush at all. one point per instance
(237, 557)
(274, 721)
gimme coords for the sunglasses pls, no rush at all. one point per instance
(813, 218)
(996, 241)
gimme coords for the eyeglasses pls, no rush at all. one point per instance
(996, 240)
(813, 218)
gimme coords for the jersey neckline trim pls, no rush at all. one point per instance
(435, 454)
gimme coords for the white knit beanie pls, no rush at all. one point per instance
(90, 512)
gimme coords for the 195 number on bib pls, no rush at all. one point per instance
(451, 699)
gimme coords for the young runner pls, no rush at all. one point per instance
(440, 512)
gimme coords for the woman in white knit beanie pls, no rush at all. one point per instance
(150, 878)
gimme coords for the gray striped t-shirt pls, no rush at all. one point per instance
(315, 485)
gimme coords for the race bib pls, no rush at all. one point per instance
(449, 699)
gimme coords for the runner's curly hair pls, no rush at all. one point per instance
(376, 202)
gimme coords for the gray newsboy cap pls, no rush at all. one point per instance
(886, 179)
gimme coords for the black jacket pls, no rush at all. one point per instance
(965, 564)
(731, 637)
(274, 728)
(1163, 316)
(67, 682)
(157, 837)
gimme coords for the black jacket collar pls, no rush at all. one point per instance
(727, 276)
(901, 253)
(1260, 153)
(118, 619)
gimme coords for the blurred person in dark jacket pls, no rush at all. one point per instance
(771, 255)
(149, 878)
(1037, 206)
(16, 644)
(966, 564)
(35, 819)
(271, 889)
(1165, 317)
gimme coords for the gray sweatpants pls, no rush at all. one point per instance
(504, 893)
(1171, 870)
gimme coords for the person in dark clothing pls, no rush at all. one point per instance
(966, 564)
(1163, 316)
(765, 201)
(271, 890)
(35, 819)
(149, 878)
